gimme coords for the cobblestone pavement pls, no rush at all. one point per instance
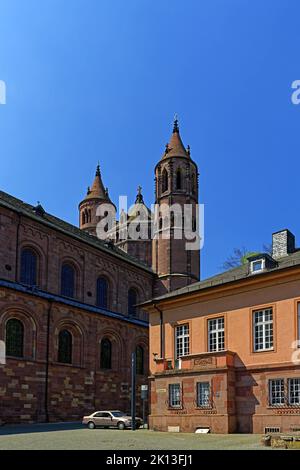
(72, 436)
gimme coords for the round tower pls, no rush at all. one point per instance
(175, 247)
(96, 195)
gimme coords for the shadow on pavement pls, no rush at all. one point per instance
(10, 429)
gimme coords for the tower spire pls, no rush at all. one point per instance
(175, 124)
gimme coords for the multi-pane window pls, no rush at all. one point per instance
(294, 391)
(28, 273)
(102, 292)
(139, 360)
(67, 280)
(182, 341)
(105, 354)
(216, 334)
(65, 347)
(263, 329)
(203, 394)
(174, 395)
(14, 338)
(276, 392)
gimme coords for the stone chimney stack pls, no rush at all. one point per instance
(283, 243)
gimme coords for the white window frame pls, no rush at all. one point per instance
(263, 265)
(276, 392)
(218, 333)
(264, 326)
(203, 396)
(182, 340)
(294, 389)
(175, 398)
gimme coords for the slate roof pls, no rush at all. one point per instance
(231, 276)
(12, 203)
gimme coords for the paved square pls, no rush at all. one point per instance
(75, 436)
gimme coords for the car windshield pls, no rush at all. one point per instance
(118, 414)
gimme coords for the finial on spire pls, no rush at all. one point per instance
(139, 198)
(88, 190)
(188, 150)
(106, 192)
(176, 127)
(98, 170)
(167, 149)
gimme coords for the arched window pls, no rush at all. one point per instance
(67, 280)
(65, 347)
(132, 300)
(178, 179)
(193, 183)
(83, 218)
(14, 338)
(90, 216)
(102, 292)
(165, 181)
(105, 354)
(139, 360)
(28, 267)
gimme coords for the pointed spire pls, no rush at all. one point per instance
(175, 126)
(139, 198)
(175, 147)
(97, 190)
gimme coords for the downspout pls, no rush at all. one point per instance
(47, 362)
(161, 322)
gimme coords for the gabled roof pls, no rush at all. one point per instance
(12, 203)
(231, 276)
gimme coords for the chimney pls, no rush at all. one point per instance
(283, 243)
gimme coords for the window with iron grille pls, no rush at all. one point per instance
(105, 354)
(263, 329)
(132, 301)
(182, 341)
(14, 338)
(174, 395)
(67, 280)
(28, 267)
(65, 347)
(294, 391)
(216, 334)
(203, 394)
(102, 292)
(276, 392)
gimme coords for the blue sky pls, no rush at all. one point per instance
(91, 80)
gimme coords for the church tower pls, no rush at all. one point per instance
(176, 183)
(96, 195)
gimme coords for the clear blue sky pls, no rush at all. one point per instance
(91, 80)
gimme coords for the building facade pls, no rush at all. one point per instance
(69, 313)
(225, 352)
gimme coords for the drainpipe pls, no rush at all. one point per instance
(162, 352)
(47, 362)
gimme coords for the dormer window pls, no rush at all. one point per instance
(258, 265)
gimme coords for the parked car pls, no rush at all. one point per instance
(110, 419)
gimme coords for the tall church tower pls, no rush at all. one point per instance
(96, 195)
(176, 182)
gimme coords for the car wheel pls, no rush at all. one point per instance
(91, 425)
(121, 426)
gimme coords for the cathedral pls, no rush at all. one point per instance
(71, 302)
